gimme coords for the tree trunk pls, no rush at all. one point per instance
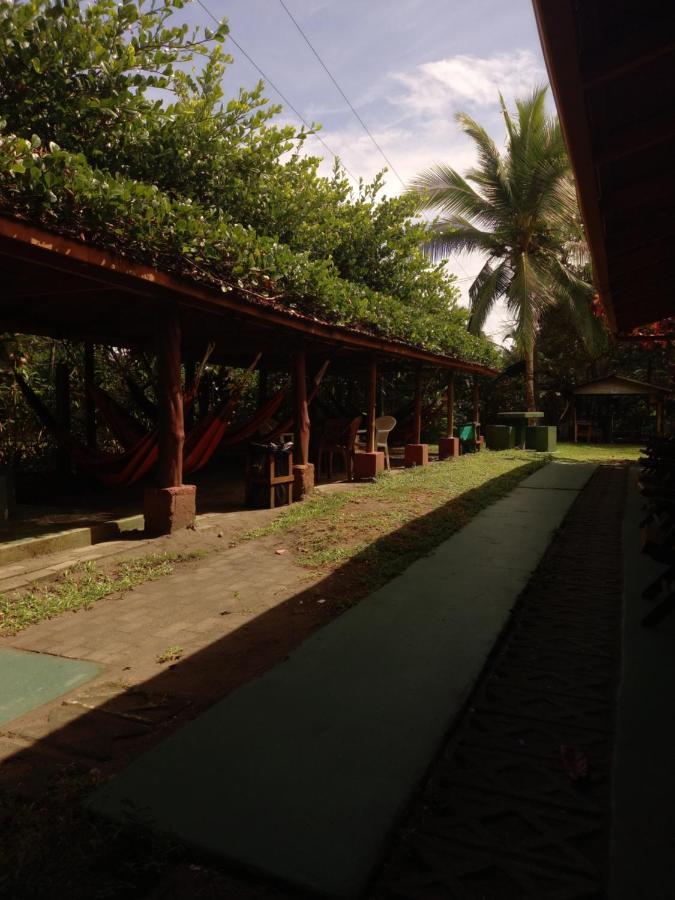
(530, 399)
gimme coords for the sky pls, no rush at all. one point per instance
(407, 66)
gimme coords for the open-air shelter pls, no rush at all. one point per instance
(612, 386)
(62, 287)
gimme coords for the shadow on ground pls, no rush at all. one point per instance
(54, 848)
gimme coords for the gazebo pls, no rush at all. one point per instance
(608, 387)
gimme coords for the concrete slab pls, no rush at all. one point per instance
(566, 476)
(303, 772)
(27, 680)
(643, 834)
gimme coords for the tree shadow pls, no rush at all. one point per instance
(53, 841)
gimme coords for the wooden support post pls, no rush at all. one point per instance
(372, 405)
(448, 446)
(476, 414)
(417, 453)
(62, 398)
(574, 421)
(371, 463)
(89, 406)
(418, 407)
(450, 406)
(171, 505)
(171, 427)
(303, 469)
(300, 409)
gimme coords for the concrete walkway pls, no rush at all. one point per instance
(643, 839)
(303, 772)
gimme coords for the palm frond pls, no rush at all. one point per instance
(442, 188)
(490, 284)
(458, 235)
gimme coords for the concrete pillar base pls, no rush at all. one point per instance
(304, 481)
(416, 455)
(368, 465)
(169, 509)
(448, 447)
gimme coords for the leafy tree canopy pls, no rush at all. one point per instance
(116, 129)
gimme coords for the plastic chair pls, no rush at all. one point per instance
(383, 426)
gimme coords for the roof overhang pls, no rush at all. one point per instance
(59, 287)
(619, 386)
(612, 69)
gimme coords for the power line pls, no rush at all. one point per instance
(344, 96)
(275, 88)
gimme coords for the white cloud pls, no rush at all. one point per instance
(419, 107)
(440, 87)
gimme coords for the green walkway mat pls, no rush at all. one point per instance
(27, 680)
(303, 772)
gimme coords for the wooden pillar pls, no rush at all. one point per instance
(448, 446)
(476, 400)
(450, 406)
(300, 409)
(89, 406)
(302, 468)
(171, 428)
(417, 453)
(371, 463)
(372, 405)
(171, 505)
(418, 408)
(574, 420)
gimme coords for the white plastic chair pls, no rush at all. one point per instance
(383, 426)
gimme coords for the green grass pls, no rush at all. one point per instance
(598, 452)
(371, 534)
(81, 586)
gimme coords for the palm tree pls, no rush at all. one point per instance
(519, 208)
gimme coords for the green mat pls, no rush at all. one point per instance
(303, 772)
(27, 680)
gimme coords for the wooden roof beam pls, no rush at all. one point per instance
(622, 59)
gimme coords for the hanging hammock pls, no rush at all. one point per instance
(124, 427)
(126, 468)
(288, 424)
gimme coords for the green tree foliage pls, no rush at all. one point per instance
(113, 132)
(519, 208)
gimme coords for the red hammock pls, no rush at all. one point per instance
(124, 427)
(128, 467)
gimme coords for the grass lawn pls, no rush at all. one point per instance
(599, 453)
(365, 537)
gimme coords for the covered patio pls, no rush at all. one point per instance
(63, 288)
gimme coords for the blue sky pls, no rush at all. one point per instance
(408, 66)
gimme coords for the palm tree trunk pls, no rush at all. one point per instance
(530, 398)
